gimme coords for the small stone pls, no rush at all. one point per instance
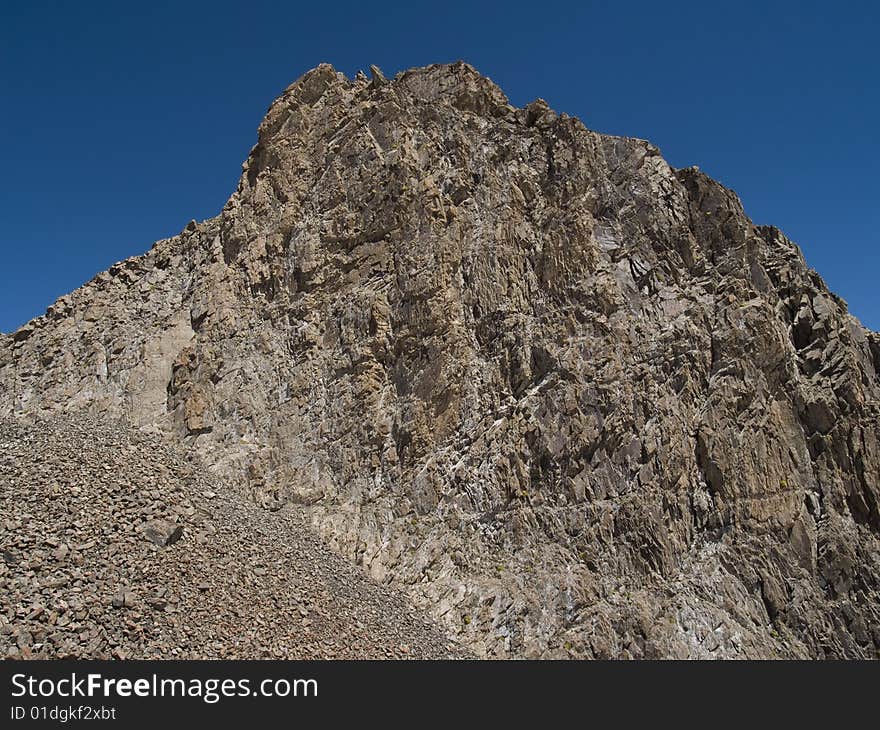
(124, 599)
(162, 532)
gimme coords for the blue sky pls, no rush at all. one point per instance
(119, 122)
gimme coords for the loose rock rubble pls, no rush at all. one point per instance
(115, 546)
(570, 399)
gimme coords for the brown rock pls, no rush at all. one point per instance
(162, 532)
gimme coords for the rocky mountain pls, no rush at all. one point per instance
(571, 399)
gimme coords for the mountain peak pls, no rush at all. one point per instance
(572, 400)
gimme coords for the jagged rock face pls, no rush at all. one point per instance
(570, 396)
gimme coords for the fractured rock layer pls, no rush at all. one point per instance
(571, 398)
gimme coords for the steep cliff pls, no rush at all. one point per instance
(570, 397)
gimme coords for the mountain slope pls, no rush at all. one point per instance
(570, 397)
(116, 545)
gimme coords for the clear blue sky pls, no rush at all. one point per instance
(117, 126)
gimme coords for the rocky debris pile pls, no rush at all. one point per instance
(570, 398)
(113, 545)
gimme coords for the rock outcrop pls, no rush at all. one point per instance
(572, 399)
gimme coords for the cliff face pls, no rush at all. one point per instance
(569, 396)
